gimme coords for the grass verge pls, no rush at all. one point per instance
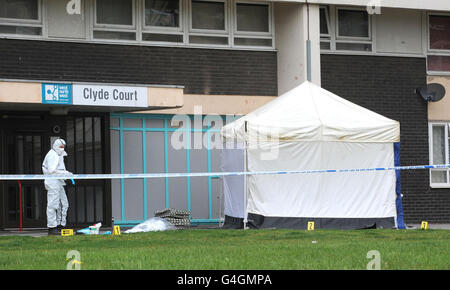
(233, 249)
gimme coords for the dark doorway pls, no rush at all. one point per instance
(26, 139)
(88, 153)
(24, 152)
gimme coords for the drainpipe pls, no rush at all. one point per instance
(308, 46)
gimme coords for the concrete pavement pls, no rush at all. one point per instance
(39, 232)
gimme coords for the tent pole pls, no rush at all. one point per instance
(246, 178)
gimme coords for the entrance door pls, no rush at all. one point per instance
(23, 153)
(25, 140)
(87, 154)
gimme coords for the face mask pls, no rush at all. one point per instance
(57, 149)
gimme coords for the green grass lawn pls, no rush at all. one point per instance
(233, 249)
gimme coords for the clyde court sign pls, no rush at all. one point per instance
(94, 95)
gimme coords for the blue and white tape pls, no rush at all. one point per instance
(203, 174)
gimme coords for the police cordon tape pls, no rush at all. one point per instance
(204, 174)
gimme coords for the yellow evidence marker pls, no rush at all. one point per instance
(310, 226)
(116, 231)
(66, 232)
(424, 225)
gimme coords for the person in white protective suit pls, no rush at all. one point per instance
(57, 203)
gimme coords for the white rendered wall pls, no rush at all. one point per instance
(291, 33)
(399, 31)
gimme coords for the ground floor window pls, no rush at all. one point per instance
(439, 153)
(149, 143)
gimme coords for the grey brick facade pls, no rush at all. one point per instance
(386, 85)
(201, 71)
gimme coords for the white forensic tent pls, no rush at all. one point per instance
(310, 128)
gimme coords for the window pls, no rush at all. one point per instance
(353, 23)
(245, 24)
(439, 153)
(439, 32)
(115, 12)
(208, 15)
(251, 17)
(162, 13)
(325, 35)
(252, 25)
(208, 22)
(114, 19)
(162, 21)
(20, 17)
(324, 22)
(438, 63)
(223, 23)
(438, 58)
(353, 30)
(345, 29)
(19, 9)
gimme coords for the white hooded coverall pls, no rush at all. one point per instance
(57, 203)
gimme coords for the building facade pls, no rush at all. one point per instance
(145, 86)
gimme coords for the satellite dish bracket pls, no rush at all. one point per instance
(431, 93)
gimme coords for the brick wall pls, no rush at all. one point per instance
(201, 71)
(386, 85)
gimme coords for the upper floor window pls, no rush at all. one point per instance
(438, 56)
(115, 12)
(439, 32)
(162, 13)
(345, 29)
(252, 17)
(22, 17)
(325, 34)
(163, 21)
(252, 25)
(114, 19)
(208, 22)
(219, 23)
(353, 24)
(207, 15)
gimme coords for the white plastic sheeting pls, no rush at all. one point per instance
(234, 186)
(154, 224)
(326, 195)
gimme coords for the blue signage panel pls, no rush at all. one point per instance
(57, 94)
